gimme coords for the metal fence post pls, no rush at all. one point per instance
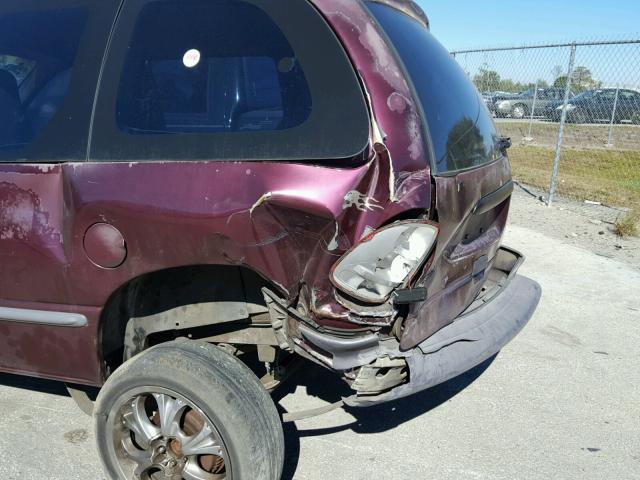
(613, 117)
(533, 109)
(563, 120)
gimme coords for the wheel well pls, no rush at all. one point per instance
(523, 105)
(178, 301)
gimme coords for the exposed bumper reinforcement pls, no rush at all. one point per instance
(466, 343)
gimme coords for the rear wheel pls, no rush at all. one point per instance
(187, 411)
(577, 116)
(635, 118)
(519, 111)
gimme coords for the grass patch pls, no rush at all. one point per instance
(611, 177)
(545, 134)
(627, 226)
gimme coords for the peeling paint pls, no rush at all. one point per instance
(263, 199)
(392, 180)
(21, 215)
(415, 135)
(385, 63)
(333, 244)
(398, 103)
(368, 230)
(360, 201)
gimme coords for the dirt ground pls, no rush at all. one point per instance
(575, 223)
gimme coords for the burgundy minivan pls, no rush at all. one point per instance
(196, 194)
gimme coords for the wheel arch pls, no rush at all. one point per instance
(177, 301)
(525, 108)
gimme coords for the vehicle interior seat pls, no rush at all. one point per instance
(10, 110)
(262, 108)
(47, 102)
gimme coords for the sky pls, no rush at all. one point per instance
(475, 23)
(471, 24)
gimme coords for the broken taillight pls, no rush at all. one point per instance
(384, 261)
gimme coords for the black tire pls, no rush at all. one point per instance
(635, 118)
(519, 111)
(578, 116)
(222, 387)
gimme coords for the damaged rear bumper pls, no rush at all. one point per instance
(466, 343)
(498, 314)
(378, 370)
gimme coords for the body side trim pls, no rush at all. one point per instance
(43, 317)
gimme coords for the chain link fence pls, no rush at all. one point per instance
(573, 113)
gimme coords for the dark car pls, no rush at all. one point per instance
(195, 195)
(528, 102)
(600, 105)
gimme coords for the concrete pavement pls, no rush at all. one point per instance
(562, 401)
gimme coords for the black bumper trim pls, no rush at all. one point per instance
(466, 343)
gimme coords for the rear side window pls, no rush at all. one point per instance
(224, 80)
(37, 55)
(461, 130)
(206, 67)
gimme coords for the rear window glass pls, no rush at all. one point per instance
(37, 54)
(206, 67)
(461, 129)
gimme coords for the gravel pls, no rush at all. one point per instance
(582, 224)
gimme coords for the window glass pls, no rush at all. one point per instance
(607, 95)
(210, 66)
(546, 94)
(629, 95)
(37, 54)
(462, 131)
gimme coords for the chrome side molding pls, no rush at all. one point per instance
(43, 317)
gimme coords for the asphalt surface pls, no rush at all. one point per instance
(562, 401)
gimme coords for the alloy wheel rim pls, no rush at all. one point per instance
(158, 434)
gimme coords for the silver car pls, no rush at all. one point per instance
(523, 104)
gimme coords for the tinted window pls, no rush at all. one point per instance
(629, 95)
(217, 80)
(37, 55)
(210, 66)
(462, 132)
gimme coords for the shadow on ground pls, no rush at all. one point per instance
(33, 384)
(326, 386)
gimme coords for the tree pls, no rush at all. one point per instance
(487, 80)
(581, 80)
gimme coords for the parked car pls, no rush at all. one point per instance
(195, 195)
(490, 99)
(599, 105)
(521, 105)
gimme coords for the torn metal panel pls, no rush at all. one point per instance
(466, 235)
(390, 96)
